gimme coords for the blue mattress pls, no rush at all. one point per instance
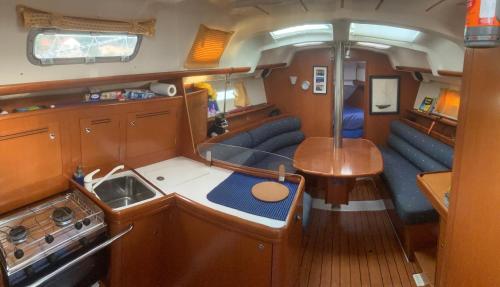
(354, 118)
(353, 134)
(236, 192)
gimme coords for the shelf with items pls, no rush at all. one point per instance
(441, 128)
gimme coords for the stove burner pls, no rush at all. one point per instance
(62, 216)
(18, 234)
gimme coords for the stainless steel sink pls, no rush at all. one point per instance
(123, 191)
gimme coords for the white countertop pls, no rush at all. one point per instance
(194, 180)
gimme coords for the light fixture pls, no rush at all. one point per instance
(373, 45)
(305, 44)
(302, 29)
(383, 32)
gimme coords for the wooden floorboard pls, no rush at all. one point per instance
(354, 248)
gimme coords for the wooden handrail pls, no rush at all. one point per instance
(413, 69)
(450, 73)
(97, 81)
(271, 66)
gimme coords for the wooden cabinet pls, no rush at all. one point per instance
(207, 254)
(144, 259)
(151, 133)
(139, 258)
(100, 141)
(30, 156)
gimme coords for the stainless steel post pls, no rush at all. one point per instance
(339, 95)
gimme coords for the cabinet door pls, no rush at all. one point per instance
(100, 141)
(151, 133)
(143, 252)
(207, 254)
(29, 157)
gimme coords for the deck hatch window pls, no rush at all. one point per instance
(302, 30)
(52, 47)
(383, 32)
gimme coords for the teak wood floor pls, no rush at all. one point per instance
(354, 248)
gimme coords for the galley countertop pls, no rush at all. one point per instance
(194, 180)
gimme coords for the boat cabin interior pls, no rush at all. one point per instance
(259, 143)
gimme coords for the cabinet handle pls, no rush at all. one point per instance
(52, 136)
(298, 217)
(132, 123)
(88, 130)
(261, 246)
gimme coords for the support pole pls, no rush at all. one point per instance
(339, 95)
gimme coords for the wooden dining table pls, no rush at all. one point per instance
(338, 168)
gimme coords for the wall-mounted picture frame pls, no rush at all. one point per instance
(384, 95)
(320, 80)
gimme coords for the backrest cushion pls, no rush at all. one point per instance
(428, 145)
(278, 142)
(414, 155)
(271, 129)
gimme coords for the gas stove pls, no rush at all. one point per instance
(37, 236)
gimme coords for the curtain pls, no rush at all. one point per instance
(240, 95)
(33, 18)
(448, 103)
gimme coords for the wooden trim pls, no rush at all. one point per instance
(271, 66)
(250, 110)
(444, 139)
(413, 69)
(433, 117)
(108, 80)
(245, 128)
(450, 73)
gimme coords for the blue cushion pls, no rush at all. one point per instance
(430, 146)
(288, 151)
(401, 176)
(353, 118)
(414, 155)
(242, 139)
(353, 134)
(280, 141)
(271, 129)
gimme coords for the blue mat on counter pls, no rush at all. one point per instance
(236, 192)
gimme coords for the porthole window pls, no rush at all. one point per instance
(56, 47)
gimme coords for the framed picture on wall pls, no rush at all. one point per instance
(320, 80)
(384, 95)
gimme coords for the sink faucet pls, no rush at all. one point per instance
(89, 182)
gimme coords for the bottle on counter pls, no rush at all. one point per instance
(79, 175)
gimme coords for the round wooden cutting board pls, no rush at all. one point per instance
(270, 191)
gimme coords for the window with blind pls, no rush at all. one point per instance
(207, 48)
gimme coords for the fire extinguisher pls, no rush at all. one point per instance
(482, 25)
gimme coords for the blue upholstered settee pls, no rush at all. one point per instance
(266, 146)
(410, 152)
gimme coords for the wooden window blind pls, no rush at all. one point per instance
(207, 48)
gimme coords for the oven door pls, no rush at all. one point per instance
(82, 268)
